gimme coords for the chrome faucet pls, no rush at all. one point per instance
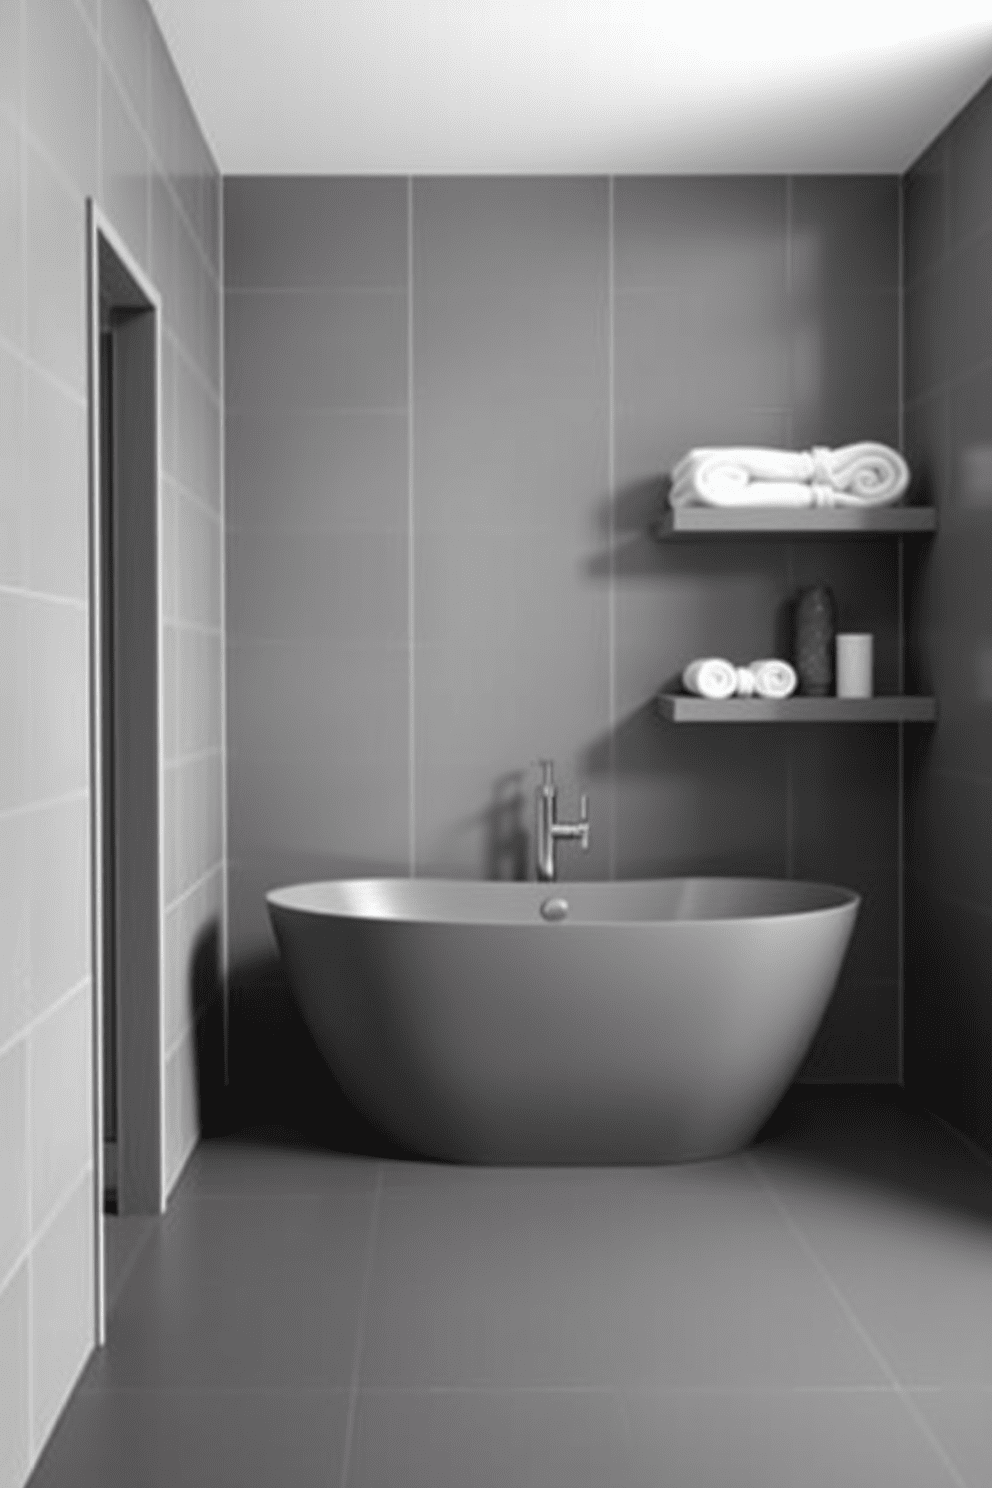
(549, 830)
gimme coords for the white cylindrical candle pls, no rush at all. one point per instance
(854, 666)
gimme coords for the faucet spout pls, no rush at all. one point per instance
(550, 831)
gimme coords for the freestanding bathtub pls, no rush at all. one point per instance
(635, 1022)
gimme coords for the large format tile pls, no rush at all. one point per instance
(323, 232)
(15, 931)
(11, 227)
(124, 32)
(711, 232)
(61, 83)
(962, 1422)
(198, 1438)
(969, 151)
(14, 498)
(316, 349)
(59, 731)
(254, 1165)
(124, 169)
(925, 194)
(62, 1306)
(55, 287)
(679, 1276)
(781, 1438)
(15, 1220)
(56, 494)
(15, 1422)
(58, 870)
(906, 1233)
(317, 472)
(844, 233)
(485, 1439)
(61, 1102)
(15, 615)
(243, 1293)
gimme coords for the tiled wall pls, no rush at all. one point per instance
(90, 104)
(949, 436)
(449, 405)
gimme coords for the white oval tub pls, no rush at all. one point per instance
(659, 1021)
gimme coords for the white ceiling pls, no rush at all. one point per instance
(562, 86)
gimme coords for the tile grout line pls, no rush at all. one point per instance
(901, 641)
(894, 1383)
(611, 533)
(360, 1331)
(790, 785)
(411, 565)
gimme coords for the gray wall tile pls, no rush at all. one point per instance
(539, 602)
(11, 231)
(15, 973)
(61, 1103)
(16, 713)
(969, 145)
(949, 347)
(58, 875)
(61, 85)
(59, 733)
(15, 1373)
(124, 33)
(124, 169)
(55, 288)
(15, 1220)
(316, 349)
(318, 232)
(11, 54)
(14, 510)
(56, 450)
(61, 1306)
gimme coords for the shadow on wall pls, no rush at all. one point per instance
(508, 840)
(206, 1008)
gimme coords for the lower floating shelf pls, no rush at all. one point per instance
(678, 707)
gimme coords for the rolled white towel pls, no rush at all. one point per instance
(747, 684)
(859, 475)
(710, 677)
(773, 678)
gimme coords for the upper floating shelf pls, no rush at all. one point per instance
(684, 708)
(817, 521)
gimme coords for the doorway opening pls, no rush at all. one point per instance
(125, 315)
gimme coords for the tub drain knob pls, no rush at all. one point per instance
(555, 908)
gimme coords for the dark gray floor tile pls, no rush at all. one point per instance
(904, 1228)
(962, 1422)
(242, 1293)
(124, 1235)
(159, 1439)
(781, 1439)
(485, 1439)
(667, 1276)
(273, 1165)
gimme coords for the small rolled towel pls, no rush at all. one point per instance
(859, 475)
(747, 683)
(710, 677)
(773, 678)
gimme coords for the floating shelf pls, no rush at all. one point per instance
(771, 521)
(681, 708)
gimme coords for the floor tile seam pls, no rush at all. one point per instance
(638, 1391)
(983, 1158)
(912, 1410)
(214, 1391)
(360, 1330)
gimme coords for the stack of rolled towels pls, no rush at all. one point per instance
(713, 677)
(854, 475)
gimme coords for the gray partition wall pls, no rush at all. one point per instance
(949, 438)
(449, 406)
(91, 105)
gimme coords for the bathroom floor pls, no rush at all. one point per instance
(816, 1311)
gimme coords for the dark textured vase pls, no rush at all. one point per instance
(816, 626)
